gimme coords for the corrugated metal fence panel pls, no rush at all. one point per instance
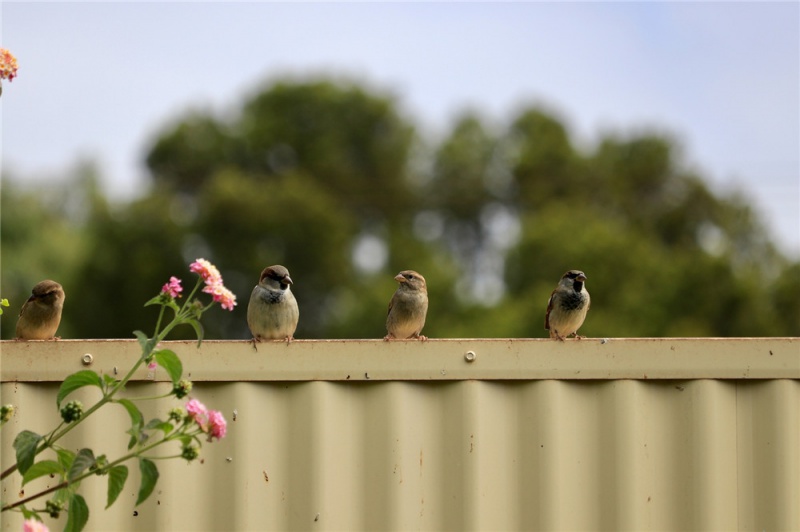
(452, 453)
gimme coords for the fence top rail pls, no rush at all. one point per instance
(413, 360)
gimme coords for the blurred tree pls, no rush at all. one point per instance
(466, 194)
(330, 180)
(189, 154)
(354, 144)
(41, 237)
(134, 250)
(249, 224)
(544, 165)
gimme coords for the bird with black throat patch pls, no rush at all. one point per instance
(40, 316)
(568, 305)
(408, 307)
(272, 313)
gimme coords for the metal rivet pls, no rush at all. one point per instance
(470, 356)
(87, 359)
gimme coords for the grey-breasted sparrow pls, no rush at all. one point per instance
(41, 314)
(272, 313)
(567, 306)
(408, 307)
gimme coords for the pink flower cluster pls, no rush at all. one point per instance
(173, 288)
(8, 65)
(32, 525)
(212, 422)
(213, 280)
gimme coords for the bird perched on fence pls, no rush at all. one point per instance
(408, 307)
(272, 313)
(567, 306)
(40, 316)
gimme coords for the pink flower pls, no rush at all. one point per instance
(197, 411)
(206, 270)
(8, 65)
(32, 525)
(212, 422)
(173, 288)
(225, 297)
(214, 286)
(218, 427)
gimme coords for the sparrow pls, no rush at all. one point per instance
(567, 306)
(41, 314)
(272, 313)
(408, 307)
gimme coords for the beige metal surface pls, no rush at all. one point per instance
(646, 434)
(496, 359)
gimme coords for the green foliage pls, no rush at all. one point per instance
(491, 214)
(78, 514)
(116, 483)
(76, 381)
(168, 360)
(149, 473)
(25, 445)
(72, 468)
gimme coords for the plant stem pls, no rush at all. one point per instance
(55, 436)
(66, 483)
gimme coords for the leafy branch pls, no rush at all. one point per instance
(183, 425)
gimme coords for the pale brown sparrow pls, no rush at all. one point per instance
(408, 307)
(272, 313)
(41, 314)
(567, 306)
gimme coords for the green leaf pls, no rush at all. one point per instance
(136, 415)
(164, 426)
(117, 476)
(158, 300)
(137, 421)
(198, 329)
(147, 343)
(149, 478)
(83, 460)
(25, 444)
(29, 514)
(168, 360)
(142, 338)
(78, 514)
(65, 494)
(65, 458)
(40, 469)
(77, 380)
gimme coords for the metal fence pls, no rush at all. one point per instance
(612, 434)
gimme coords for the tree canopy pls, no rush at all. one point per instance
(333, 181)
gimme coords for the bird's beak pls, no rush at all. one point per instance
(400, 279)
(581, 278)
(287, 280)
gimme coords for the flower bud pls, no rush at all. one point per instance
(72, 411)
(53, 508)
(6, 412)
(190, 453)
(176, 415)
(182, 388)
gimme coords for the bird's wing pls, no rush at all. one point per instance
(549, 308)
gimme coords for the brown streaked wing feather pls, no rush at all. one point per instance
(549, 308)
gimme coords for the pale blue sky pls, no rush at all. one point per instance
(97, 80)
